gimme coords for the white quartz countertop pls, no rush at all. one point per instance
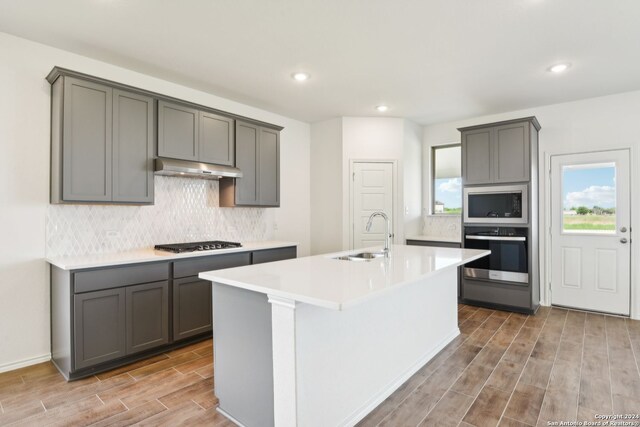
(337, 284)
(150, 255)
(430, 238)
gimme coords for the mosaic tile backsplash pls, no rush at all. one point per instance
(442, 226)
(185, 210)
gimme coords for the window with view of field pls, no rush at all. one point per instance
(589, 198)
(447, 180)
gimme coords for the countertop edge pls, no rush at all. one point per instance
(150, 255)
(429, 238)
(334, 305)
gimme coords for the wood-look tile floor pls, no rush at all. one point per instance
(504, 369)
(174, 388)
(508, 369)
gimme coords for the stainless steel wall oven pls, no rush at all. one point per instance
(509, 259)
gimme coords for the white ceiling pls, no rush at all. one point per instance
(429, 60)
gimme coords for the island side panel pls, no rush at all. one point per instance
(243, 355)
(349, 361)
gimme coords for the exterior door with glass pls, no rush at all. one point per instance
(590, 231)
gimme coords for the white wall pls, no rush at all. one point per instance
(412, 153)
(373, 138)
(589, 125)
(326, 185)
(24, 182)
(335, 145)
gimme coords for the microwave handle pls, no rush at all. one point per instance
(511, 238)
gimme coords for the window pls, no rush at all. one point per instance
(589, 198)
(447, 180)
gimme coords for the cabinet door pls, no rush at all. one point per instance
(191, 307)
(217, 139)
(132, 147)
(147, 316)
(511, 153)
(99, 327)
(177, 131)
(269, 167)
(246, 188)
(86, 142)
(476, 157)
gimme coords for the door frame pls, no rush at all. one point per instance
(397, 228)
(545, 227)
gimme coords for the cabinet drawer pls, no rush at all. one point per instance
(515, 296)
(194, 266)
(93, 280)
(269, 255)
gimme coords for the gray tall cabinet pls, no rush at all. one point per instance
(496, 156)
(101, 143)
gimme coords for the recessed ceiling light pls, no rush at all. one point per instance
(559, 68)
(300, 76)
(381, 108)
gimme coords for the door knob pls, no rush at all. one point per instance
(623, 229)
(623, 240)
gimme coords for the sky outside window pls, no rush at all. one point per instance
(589, 198)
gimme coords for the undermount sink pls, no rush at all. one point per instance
(362, 256)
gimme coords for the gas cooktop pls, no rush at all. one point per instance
(177, 248)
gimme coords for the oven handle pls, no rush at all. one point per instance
(511, 238)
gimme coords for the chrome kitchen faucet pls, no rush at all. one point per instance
(388, 235)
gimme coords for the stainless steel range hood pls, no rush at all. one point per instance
(172, 167)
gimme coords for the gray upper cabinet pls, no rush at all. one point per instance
(247, 140)
(178, 134)
(258, 157)
(101, 144)
(217, 137)
(86, 141)
(190, 134)
(476, 156)
(511, 153)
(269, 167)
(133, 128)
(498, 152)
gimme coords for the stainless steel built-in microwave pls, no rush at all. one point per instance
(505, 204)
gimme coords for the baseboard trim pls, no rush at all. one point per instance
(25, 362)
(233, 420)
(377, 399)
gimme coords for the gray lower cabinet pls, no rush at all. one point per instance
(99, 327)
(147, 316)
(257, 154)
(191, 307)
(106, 317)
(498, 152)
(101, 144)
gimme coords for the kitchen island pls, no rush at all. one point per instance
(321, 341)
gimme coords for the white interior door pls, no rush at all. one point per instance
(590, 231)
(372, 192)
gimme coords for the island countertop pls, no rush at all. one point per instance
(323, 281)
